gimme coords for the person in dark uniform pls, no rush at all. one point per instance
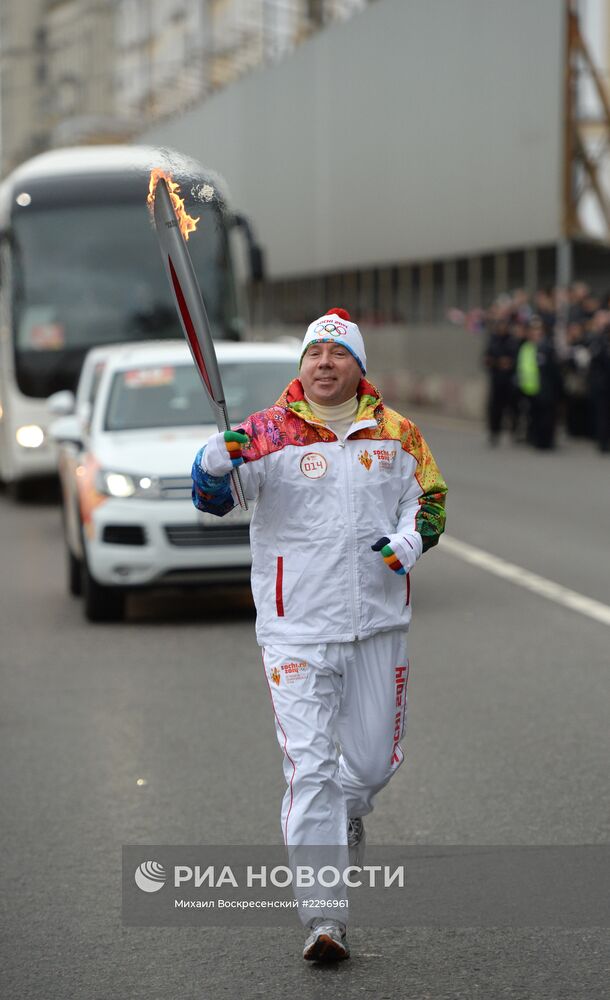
(575, 372)
(599, 381)
(500, 359)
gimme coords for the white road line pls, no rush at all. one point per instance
(531, 581)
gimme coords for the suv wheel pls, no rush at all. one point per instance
(102, 604)
(74, 573)
(74, 568)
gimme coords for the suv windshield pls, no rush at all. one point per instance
(172, 395)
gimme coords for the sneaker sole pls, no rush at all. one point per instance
(326, 949)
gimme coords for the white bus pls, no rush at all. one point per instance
(80, 267)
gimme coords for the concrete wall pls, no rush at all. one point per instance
(21, 112)
(418, 129)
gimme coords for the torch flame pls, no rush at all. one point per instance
(186, 222)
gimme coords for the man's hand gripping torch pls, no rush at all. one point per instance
(192, 312)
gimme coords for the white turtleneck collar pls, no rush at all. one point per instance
(339, 418)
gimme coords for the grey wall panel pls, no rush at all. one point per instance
(419, 129)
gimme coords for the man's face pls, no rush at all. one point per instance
(329, 374)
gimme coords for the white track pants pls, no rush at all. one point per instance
(340, 712)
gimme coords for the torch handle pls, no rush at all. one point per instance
(223, 417)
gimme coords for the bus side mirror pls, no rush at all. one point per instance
(61, 404)
(3, 244)
(257, 263)
(256, 254)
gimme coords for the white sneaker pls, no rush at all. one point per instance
(356, 841)
(327, 942)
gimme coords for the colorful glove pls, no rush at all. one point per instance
(223, 452)
(399, 554)
(389, 556)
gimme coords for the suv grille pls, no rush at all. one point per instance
(175, 487)
(190, 535)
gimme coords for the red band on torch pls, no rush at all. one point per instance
(190, 329)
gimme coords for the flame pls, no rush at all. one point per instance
(186, 222)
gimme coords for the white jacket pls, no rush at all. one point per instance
(320, 504)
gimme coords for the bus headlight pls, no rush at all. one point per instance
(30, 436)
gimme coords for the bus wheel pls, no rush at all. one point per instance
(20, 490)
(102, 604)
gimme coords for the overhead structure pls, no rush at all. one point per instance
(587, 138)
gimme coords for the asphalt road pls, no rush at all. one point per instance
(508, 743)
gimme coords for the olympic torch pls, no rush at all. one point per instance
(190, 307)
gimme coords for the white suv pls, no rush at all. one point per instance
(128, 514)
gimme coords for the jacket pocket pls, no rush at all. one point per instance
(279, 587)
(408, 601)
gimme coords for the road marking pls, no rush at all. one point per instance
(531, 581)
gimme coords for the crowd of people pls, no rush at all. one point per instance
(548, 360)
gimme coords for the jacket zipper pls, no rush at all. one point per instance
(350, 541)
(351, 547)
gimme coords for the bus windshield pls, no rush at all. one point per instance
(91, 274)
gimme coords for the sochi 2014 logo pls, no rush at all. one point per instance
(334, 327)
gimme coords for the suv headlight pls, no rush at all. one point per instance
(123, 484)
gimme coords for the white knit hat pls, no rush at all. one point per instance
(336, 327)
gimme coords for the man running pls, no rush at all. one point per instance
(348, 497)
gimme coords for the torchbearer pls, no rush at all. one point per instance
(348, 497)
